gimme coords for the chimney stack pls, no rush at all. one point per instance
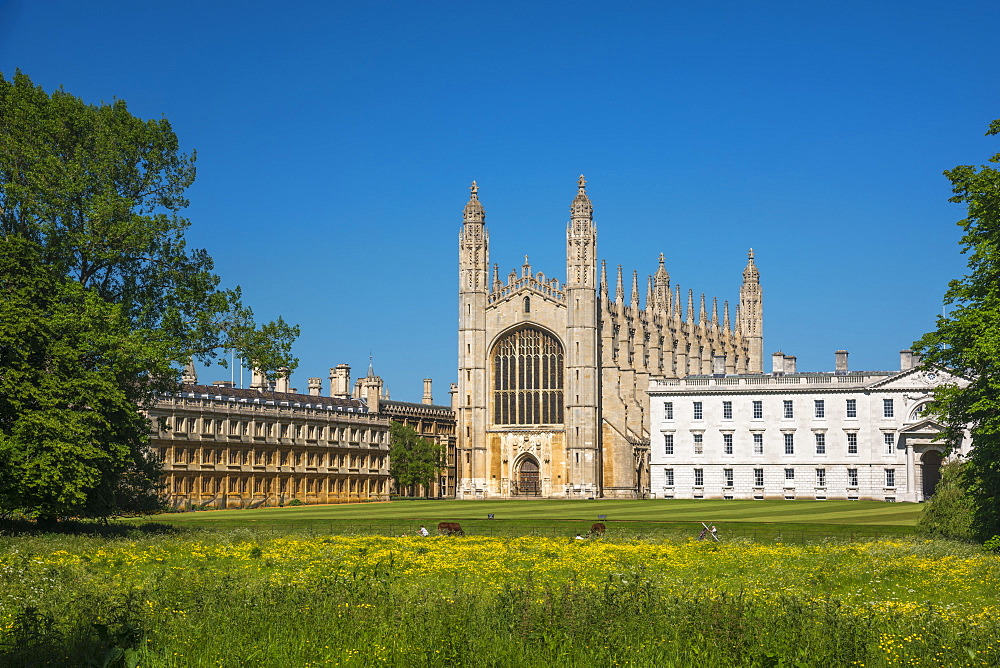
(453, 391)
(840, 367)
(315, 387)
(790, 362)
(778, 363)
(906, 360)
(281, 384)
(428, 397)
(189, 376)
(258, 381)
(340, 381)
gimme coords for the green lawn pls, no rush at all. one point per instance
(763, 520)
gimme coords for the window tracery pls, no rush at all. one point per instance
(528, 378)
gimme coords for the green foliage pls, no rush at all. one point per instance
(413, 460)
(296, 502)
(949, 512)
(967, 340)
(72, 438)
(102, 300)
(100, 192)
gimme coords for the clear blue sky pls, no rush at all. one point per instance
(336, 142)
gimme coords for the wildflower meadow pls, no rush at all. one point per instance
(252, 598)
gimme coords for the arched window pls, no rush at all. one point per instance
(528, 378)
(527, 304)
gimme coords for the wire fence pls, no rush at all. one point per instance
(570, 529)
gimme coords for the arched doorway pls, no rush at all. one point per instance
(526, 478)
(930, 470)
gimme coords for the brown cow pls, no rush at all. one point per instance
(597, 529)
(450, 529)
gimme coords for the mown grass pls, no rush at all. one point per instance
(788, 521)
(256, 598)
(662, 510)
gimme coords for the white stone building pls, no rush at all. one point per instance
(834, 435)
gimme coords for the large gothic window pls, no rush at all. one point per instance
(528, 378)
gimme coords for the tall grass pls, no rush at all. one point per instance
(245, 598)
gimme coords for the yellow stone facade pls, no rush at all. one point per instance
(232, 448)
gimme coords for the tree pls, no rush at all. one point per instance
(413, 460)
(949, 513)
(93, 195)
(72, 438)
(967, 341)
(100, 192)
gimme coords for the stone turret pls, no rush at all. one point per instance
(752, 315)
(473, 293)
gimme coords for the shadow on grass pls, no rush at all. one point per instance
(19, 527)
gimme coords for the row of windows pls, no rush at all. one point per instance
(788, 409)
(194, 425)
(261, 485)
(698, 442)
(758, 477)
(244, 457)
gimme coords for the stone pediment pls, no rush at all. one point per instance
(925, 426)
(917, 379)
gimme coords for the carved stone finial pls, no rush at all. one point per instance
(474, 188)
(750, 273)
(581, 209)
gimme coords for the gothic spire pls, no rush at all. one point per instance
(677, 303)
(725, 321)
(650, 296)
(604, 280)
(635, 290)
(620, 290)
(715, 311)
(690, 309)
(702, 316)
(661, 271)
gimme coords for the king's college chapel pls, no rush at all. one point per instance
(552, 380)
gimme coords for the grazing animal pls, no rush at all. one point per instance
(598, 529)
(450, 529)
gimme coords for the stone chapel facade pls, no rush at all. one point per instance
(552, 382)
